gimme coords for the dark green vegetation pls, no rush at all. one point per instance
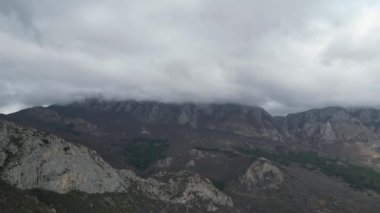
(357, 176)
(219, 184)
(227, 153)
(16, 201)
(142, 152)
(78, 202)
(37, 201)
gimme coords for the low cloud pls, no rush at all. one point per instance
(283, 56)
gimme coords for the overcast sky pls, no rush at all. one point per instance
(285, 56)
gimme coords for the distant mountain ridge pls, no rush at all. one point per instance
(253, 121)
(326, 128)
(222, 157)
(328, 124)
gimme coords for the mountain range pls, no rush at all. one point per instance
(99, 155)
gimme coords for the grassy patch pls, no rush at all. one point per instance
(142, 152)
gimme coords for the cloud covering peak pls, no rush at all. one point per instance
(282, 55)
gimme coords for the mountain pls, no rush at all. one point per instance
(32, 159)
(218, 157)
(351, 134)
(348, 133)
(335, 124)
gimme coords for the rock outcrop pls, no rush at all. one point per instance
(33, 159)
(333, 125)
(190, 188)
(261, 174)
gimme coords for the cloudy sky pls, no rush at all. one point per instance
(285, 56)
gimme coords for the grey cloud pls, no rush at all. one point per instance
(283, 56)
(16, 9)
(20, 19)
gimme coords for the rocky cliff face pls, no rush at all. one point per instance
(327, 125)
(334, 124)
(188, 188)
(33, 159)
(261, 173)
(243, 120)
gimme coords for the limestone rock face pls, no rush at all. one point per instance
(183, 187)
(242, 120)
(261, 174)
(188, 188)
(333, 125)
(164, 163)
(33, 159)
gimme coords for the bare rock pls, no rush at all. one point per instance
(191, 163)
(261, 174)
(188, 188)
(164, 163)
(32, 159)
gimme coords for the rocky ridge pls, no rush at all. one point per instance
(332, 125)
(261, 173)
(326, 125)
(242, 120)
(349, 133)
(33, 159)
